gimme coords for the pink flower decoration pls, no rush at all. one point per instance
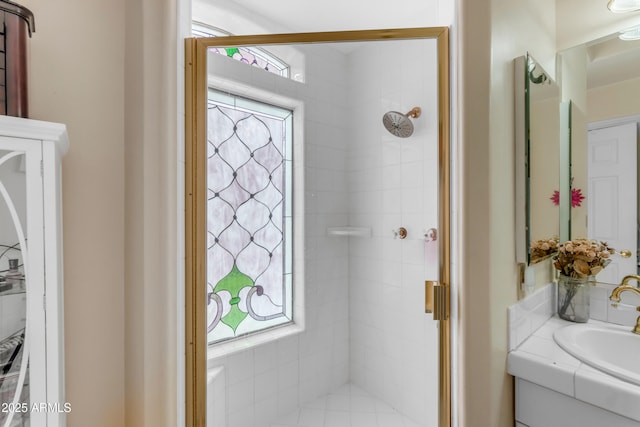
(576, 197)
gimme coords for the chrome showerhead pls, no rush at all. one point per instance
(399, 124)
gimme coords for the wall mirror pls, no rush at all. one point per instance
(605, 155)
(538, 163)
(338, 95)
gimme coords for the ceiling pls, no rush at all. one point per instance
(335, 15)
(612, 60)
(590, 23)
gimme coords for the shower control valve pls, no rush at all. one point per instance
(431, 235)
(400, 233)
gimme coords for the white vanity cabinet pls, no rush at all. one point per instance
(31, 280)
(553, 388)
(538, 406)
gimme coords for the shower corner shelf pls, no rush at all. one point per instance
(349, 231)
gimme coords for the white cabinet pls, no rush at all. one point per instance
(538, 406)
(31, 281)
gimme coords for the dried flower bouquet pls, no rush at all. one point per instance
(578, 261)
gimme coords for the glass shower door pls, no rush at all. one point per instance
(372, 211)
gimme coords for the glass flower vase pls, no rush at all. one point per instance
(573, 297)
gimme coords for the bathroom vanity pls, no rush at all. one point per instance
(31, 281)
(554, 388)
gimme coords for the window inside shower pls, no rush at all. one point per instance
(255, 57)
(249, 216)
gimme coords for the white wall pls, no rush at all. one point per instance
(77, 78)
(573, 84)
(595, 104)
(595, 22)
(492, 34)
(612, 101)
(153, 279)
(545, 168)
(393, 182)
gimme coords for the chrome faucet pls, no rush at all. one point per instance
(624, 286)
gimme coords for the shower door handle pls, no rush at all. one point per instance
(436, 300)
(428, 295)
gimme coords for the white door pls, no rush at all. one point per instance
(612, 195)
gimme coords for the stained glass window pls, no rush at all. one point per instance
(249, 55)
(249, 216)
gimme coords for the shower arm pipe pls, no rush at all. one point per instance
(414, 113)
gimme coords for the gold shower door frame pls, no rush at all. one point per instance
(195, 194)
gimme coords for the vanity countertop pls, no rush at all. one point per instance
(541, 361)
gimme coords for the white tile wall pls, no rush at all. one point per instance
(601, 308)
(393, 183)
(364, 297)
(216, 398)
(530, 313)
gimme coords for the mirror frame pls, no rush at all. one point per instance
(195, 197)
(522, 163)
(565, 173)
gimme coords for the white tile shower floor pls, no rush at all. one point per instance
(349, 406)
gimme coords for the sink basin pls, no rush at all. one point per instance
(609, 348)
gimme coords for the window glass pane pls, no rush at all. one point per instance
(253, 56)
(249, 238)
